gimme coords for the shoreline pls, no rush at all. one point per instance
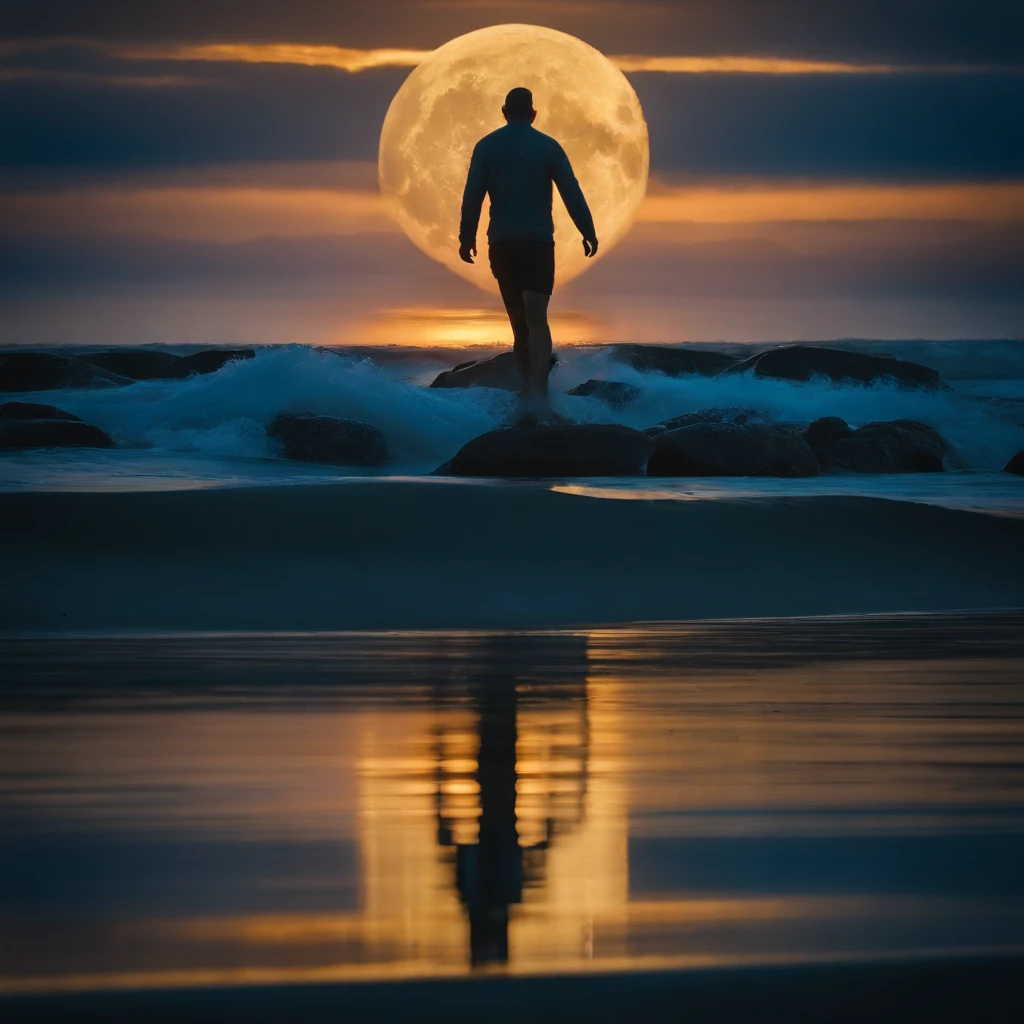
(419, 555)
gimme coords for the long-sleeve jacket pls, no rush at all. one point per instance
(515, 166)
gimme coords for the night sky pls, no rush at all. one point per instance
(151, 193)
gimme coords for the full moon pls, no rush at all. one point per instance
(454, 98)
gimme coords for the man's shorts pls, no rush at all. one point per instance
(522, 267)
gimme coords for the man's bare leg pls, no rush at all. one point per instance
(521, 345)
(536, 304)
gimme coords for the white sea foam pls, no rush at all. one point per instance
(226, 413)
(982, 434)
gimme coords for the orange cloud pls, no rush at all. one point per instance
(354, 59)
(238, 211)
(758, 201)
(341, 57)
(349, 59)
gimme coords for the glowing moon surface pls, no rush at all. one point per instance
(454, 98)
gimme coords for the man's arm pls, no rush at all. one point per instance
(472, 201)
(572, 195)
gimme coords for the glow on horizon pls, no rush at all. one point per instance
(426, 326)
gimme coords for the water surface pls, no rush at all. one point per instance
(193, 809)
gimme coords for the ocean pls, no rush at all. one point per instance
(210, 431)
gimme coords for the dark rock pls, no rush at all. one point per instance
(826, 431)
(150, 364)
(211, 360)
(802, 362)
(560, 451)
(614, 393)
(42, 371)
(902, 446)
(671, 360)
(1016, 464)
(138, 364)
(732, 414)
(51, 433)
(33, 411)
(338, 442)
(732, 449)
(500, 371)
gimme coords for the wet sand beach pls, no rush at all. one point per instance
(430, 554)
(784, 818)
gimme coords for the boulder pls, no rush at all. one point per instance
(671, 360)
(559, 451)
(826, 431)
(802, 362)
(732, 449)
(337, 442)
(900, 446)
(1016, 464)
(151, 364)
(500, 371)
(33, 411)
(43, 371)
(51, 433)
(732, 414)
(212, 359)
(614, 393)
(138, 364)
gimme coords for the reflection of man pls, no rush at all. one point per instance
(515, 166)
(490, 874)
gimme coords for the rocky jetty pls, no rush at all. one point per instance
(557, 451)
(500, 371)
(152, 364)
(672, 360)
(33, 411)
(1016, 464)
(731, 414)
(116, 367)
(899, 446)
(614, 393)
(732, 449)
(42, 371)
(30, 425)
(328, 439)
(802, 362)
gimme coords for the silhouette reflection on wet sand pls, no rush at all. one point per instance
(520, 806)
(243, 810)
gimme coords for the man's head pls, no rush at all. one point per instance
(519, 105)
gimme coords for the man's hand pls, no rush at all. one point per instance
(467, 250)
(590, 246)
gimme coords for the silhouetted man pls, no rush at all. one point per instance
(515, 166)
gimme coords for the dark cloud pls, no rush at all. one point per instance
(246, 113)
(925, 30)
(985, 267)
(835, 126)
(70, 265)
(982, 266)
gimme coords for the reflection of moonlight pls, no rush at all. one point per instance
(454, 98)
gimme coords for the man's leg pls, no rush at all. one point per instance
(521, 343)
(536, 305)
